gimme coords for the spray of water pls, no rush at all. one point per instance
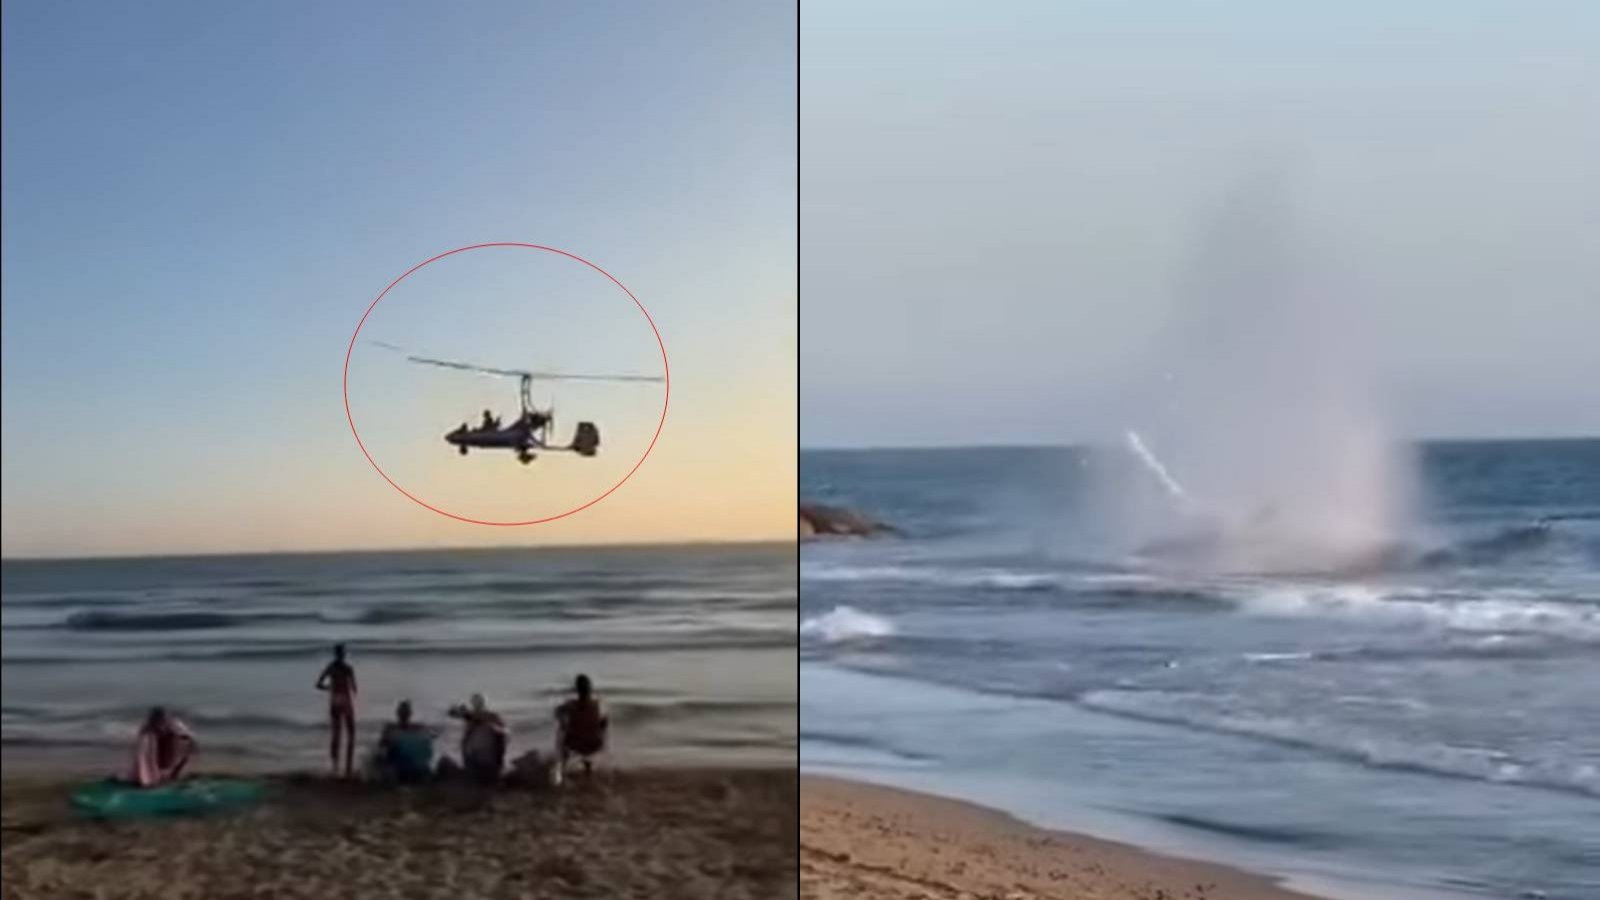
(1265, 411)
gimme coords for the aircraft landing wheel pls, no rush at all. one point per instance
(463, 450)
(525, 458)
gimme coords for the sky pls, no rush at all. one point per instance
(1008, 214)
(201, 200)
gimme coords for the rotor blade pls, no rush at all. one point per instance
(449, 364)
(562, 376)
(469, 367)
(512, 373)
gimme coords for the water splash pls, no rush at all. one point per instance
(1266, 408)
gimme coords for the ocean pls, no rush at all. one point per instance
(692, 648)
(1423, 721)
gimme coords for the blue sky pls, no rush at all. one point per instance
(1004, 208)
(201, 199)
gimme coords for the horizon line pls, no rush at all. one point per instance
(210, 554)
(1079, 444)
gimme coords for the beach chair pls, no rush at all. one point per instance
(584, 738)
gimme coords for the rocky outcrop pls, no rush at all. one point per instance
(817, 521)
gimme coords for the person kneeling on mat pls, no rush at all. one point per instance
(164, 746)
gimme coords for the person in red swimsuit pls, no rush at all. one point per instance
(339, 680)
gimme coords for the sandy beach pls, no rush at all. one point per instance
(646, 833)
(859, 840)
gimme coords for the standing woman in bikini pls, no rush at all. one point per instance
(339, 680)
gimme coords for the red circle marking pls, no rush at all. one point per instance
(665, 371)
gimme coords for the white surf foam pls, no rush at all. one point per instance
(1488, 613)
(1337, 738)
(846, 623)
(1277, 657)
(993, 578)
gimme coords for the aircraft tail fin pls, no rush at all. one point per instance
(587, 439)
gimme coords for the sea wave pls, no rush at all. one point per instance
(1469, 646)
(638, 713)
(856, 746)
(1270, 833)
(50, 599)
(714, 742)
(190, 617)
(98, 620)
(122, 720)
(1340, 740)
(279, 732)
(709, 639)
(385, 615)
(846, 623)
(1277, 657)
(60, 742)
(1487, 613)
(990, 578)
(1539, 540)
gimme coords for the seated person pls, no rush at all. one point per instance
(164, 746)
(483, 742)
(581, 725)
(405, 749)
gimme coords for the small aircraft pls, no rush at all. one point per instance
(531, 429)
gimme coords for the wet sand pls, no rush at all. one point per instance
(657, 833)
(864, 841)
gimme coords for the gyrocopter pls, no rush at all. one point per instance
(533, 426)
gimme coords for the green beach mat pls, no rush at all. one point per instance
(116, 800)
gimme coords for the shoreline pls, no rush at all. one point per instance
(25, 765)
(860, 838)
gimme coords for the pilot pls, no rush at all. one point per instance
(489, 421)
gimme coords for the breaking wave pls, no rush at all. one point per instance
(702, 639)
(1337, 739)
(845, 623)
(989, 578)
(1493, 614)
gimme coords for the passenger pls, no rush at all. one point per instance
(405, 748)
(581, 726)
(484, 740)
(164, 746)
(339, 680)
